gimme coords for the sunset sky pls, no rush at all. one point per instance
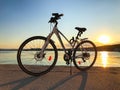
(21, 19)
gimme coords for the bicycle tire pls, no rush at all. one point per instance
(84, 55)
(31, 52)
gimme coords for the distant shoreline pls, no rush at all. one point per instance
(58, 50)
(115, 48)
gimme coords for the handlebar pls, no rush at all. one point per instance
(55, 17)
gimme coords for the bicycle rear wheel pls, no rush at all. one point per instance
(85, 55)
(29, 58)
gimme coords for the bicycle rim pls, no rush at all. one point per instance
(85, 55)
(29, 59)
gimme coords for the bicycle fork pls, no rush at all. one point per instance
(42, 54)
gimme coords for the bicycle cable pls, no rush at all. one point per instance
(51, 26)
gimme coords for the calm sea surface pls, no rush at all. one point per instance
(104, 58)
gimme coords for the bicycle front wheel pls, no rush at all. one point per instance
(29, 58)
(85, 55)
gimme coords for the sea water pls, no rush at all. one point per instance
(104, 58)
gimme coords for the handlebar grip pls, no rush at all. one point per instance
(61, 15)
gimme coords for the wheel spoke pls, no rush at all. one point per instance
(85, 55)
(30, 59)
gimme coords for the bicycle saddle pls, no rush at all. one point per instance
(81, 29)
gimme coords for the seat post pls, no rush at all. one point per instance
(78, 35)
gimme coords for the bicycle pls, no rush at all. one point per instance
(38, 55)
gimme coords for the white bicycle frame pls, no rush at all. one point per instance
(57, 33)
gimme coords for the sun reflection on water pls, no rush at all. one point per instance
(104, 57)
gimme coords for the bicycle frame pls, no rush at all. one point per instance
(57, 33)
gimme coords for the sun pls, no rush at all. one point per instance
(104, 39)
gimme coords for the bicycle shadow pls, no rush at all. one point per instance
(20, 83)
(83, 82)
